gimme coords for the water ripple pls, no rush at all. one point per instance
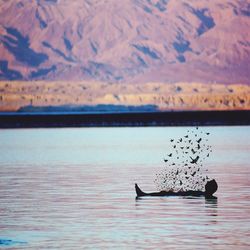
(93, 206)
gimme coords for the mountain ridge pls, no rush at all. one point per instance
(125, 41)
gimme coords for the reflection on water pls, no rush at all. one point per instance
(74, 188)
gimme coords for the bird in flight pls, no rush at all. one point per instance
(193, 174)
(194, 161)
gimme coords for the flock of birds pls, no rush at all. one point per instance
(184, 164)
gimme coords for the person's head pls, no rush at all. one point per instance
(211, 187)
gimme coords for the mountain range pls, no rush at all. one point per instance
(134, 41)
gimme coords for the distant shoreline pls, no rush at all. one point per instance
(106, 97)
(125, 119)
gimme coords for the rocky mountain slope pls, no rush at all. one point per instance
(125, 41)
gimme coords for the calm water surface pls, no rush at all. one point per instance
(74, 189)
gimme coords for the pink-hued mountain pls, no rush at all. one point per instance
(125, 40)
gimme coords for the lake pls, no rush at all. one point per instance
(73, 188)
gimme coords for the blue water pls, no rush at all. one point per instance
(74, 188)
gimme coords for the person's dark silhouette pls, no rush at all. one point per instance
(210, 188)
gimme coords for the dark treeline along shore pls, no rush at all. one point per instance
(80, 119)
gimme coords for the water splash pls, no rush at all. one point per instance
(185, 168)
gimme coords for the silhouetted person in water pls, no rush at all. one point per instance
(210, 189)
